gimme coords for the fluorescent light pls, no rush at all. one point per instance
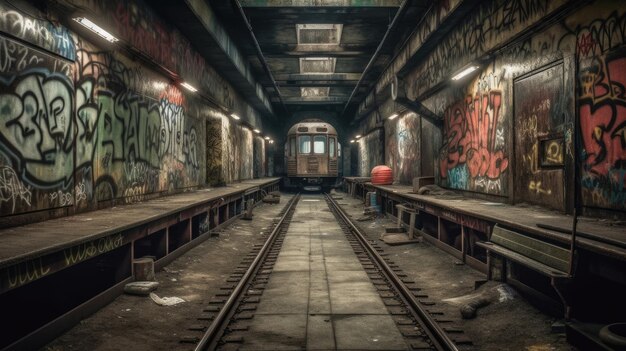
(393, 116)
(234, 116)
(352, 141)
(465, 72)
(96, 29)
(358, 136)
(257, 131)
(188, 87)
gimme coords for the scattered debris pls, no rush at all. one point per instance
(166, 301)
(472, 302)
(140, 288)
(436, 190)
(469, 311)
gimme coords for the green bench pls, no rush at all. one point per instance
(545, 258)
(538, 255)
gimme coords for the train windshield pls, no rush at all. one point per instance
(319, 144)
(331, 147)
(304, 142)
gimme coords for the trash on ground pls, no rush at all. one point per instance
(166, 301)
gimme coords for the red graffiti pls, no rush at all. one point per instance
(470, 137)
(585, 44)
(603, 115)
(173, 95)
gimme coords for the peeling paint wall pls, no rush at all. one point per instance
(84, 126)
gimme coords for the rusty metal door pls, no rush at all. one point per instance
(540, 108)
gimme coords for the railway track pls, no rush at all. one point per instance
(229, 312)
(402, 298)
(247, 285)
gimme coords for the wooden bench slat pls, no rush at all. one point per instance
(521, 259)
(534, 249)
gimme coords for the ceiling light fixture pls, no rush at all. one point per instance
(257, 131)
(358, 136)
(234, 116)
(465, 72)
(96, 29)
(352, 141)
(393, 116)
(188, 87)
(267, 138)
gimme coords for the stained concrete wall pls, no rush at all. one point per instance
(509, 130)
(83, 125)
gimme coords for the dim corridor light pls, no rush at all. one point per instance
(465, 72)
(358, 136)
(188, 87)
(267, 138)
(271, 141)
(352, 141)
(96, 29)
(257, 131)
(393, 116)
(234, 116)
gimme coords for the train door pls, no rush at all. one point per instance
(290, 151)
(333, 165)
(318, 164)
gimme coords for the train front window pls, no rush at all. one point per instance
(305, 144)
(319, 144)
(331, 147)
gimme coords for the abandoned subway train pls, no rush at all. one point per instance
(312, 154)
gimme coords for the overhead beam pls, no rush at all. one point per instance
(398, 91)
(316, 83)
(321, 53)
(317, 77)
(320, 3)
(314, 100)
(273, 48)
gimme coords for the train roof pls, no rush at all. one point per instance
(312, 126)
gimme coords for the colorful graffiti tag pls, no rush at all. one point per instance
(473, 151)
(602, 108)
(64, 138)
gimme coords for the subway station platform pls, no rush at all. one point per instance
(592, 234)
(588, 280)
(85, 260)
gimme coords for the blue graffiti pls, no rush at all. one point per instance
(458, 176)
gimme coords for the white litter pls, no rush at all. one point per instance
(166, 301)
(506, 293)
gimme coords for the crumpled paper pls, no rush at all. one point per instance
(166, 301)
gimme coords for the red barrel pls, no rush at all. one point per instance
(382, 175)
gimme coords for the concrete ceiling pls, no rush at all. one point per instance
(313, 51)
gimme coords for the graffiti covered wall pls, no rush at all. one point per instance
(259, 157)
(237, 151)
(474, 155)
(402, 147)
(602, 106)
(83, 127)
(99, 129)
(370, 152)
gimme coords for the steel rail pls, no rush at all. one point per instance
(210, 338)
(438, 335)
